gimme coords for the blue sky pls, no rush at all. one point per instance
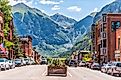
(76, 9)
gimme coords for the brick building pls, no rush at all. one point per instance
(2, 49)
(106, 33)
(36, 56)
(26, 45)
(10, 38)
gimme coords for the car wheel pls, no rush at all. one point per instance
(119, 74)
(101, 70)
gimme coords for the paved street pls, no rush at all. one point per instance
(38, 72)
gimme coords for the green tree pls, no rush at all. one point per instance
(18, 51)
(6, 9)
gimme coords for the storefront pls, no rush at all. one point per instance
(117, 55)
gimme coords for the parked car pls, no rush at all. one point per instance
(4, 63)
(88, 64)
(82, 63)
(12, 64)
(73, 63)
(43, 61)
(0, 67)
(23, 61)
(105, 67)
(27, 61)
(18, 62)
(115, 68)
(95, 66)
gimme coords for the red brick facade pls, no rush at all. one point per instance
(10, 38)
(36, 56)
(26, 45)
(2, 49)
(106, 36)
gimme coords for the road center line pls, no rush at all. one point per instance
(44, 73)
(70, 74)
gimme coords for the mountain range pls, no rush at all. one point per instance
(53, 35)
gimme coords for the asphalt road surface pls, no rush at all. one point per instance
(39, 72)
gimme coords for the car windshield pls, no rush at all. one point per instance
(17, 60)
(26, 59)
(72, 61)
(118, 64)
(83, 62)
(109, 64)
(96, 64)
(10, 61)
(1, 60)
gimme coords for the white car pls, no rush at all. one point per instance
(18, 62)
(95, 66)
(115, 68)
(27, 61)
(12, 64)
(82, 64)
(105, 68)
(4, 63)
(23, 61)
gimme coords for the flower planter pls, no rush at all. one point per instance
(57, 70)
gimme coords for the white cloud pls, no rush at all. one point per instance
(61, 1)
(74, 8)
(50, 2)
(95, 10)
(14, 2)
(56, 7)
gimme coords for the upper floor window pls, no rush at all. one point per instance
(104, 18)
(115, 25)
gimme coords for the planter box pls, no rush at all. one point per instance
(57, 70)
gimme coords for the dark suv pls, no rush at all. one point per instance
(73, 63)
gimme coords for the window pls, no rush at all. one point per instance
(104, 18)
(104, 43)
(104, 35)
(115, 25)
(101, 44)
(118, 43)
